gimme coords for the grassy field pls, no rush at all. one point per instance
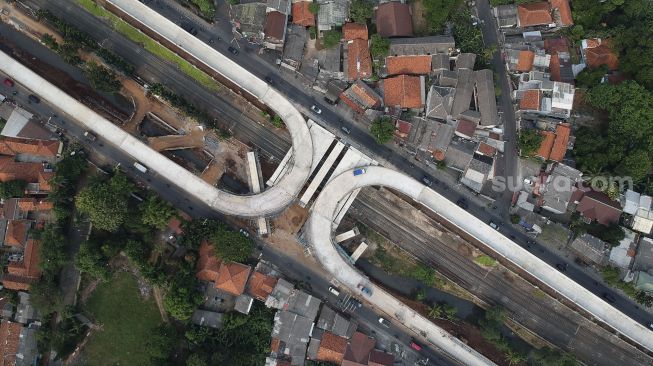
(485, 260)
(149, 44)
(127, 322)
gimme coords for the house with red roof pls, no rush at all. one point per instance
(393, 19)
(230, 277)
(597, 52)
(361, 97)
(351, 31)
(21, 274)
(597, 206)
(359, 60)
(301, 14)
(534, 14)
(404, 91)
(410, 65)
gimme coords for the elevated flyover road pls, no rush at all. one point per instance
(320, 227)
(266, 203)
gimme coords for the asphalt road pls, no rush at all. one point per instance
(541, 314)
(248, 131)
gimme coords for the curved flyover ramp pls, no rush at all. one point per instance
(266, 203)
(320, 228)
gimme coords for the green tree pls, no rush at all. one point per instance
(546, 356)
(182, 298)
(424, 274)
(50, 42)
(230, 245)
(53, 249)
(156, 212)
(106, 202)
(331, 38)
(435, 312)
(468, 38)
(529, 141)
(102, 78)
(196, 359)
(160, 343)
(379, 46)
(589, 78)
(420, 294)
(515, 358)
(361, 10)
(515, 219)
(382, 130)
(644, 298)
(277, 121)
(92, 263)
(314, 7)
(12, 188)
(437, 13)
(450, 312)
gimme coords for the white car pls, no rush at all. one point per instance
(316, 109)
(334, 291)
(384, 322)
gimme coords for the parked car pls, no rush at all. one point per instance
(609, 298)
(415, 346)
(494, 225)
(34, 99)
(269, 80)
(9, 83)
(384, 322)
(561, 266)
(244, 233)
(316, 109)
(427, 181)
(233, 50)
(334, 291)
(346, 129)
(365, 290)
(359, 171)
(90, 136)
(462, 203)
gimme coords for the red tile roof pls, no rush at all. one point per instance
(174, 225)
(598, 206)
(531, 100)
(13, 146)
(351, 31)
(415, 65)
(466, 128)
(301, 15)
(525, 62)
(29, 172)
(554, 67)
(9, 339)
(552, 45)
(402, 128)
(20, 275)
(403, 91)
(486, 149)
(32, 204)
(275, 25)
(358, 350)
(534, 14)
(260, 286)
(359, 60)
(232, 278)
(380, 358)
(563, 9)
(16, 233)
(601, 55)
(393, 19)
(546, 145)
(332, 348)
(359, 97)
(562, 140)
(208, 265)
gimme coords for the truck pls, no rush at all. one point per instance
(140, 167)
(359, 171)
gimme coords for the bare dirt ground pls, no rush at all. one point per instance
(194, 139)
(419, 18)
(291, 220)
(230, 158)
(26, 24)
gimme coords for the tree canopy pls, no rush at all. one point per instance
(529, 141)
(361, 10)
(437, 13)
(156, 212)
(12, 188)
(106, 202)
(102, 78)
(382, 130)
(379, 46)
(331, 38)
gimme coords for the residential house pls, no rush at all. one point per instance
(437, 143)
(590, 249)
(531, 100)
(554, 145)
(562, 13)
(463, 61)
(556, 192)
(597, 206)
(358, 350)
(359, 60)
(31, 150)
(380, 358)
(37, 175)
(411, 65)
(506, 15)
(393, 19)
(404, 91)
(275, 30)
(25, 312)
(465, 129)
(293, 49)
(243, 304)
(16, 233)
(479, 169)
(332, 348)
(332, 14)
(644, 282)
(280, 295)
(333, 322)
(351, 31)
(644, 256)
(360, 97)
(301, 14)
(291, 333)
(464, 92)
(622, 255)
(249, 20)
(459, 154)
(282, 6)
(560, 68)
(534, 14)
(10, 333)
(25, 270)
(562, 100)
(440, 62)
(439, 102)
(639, 206)
(260, 286)
(303, 304)
(418, 46)
(597, 52)
(485, 98)
(229, 277)
(402, 129)
(206, 318)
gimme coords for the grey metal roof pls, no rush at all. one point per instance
(590, 248)
(459, 154)
(304, 304)
(441, 137)
(293, 48)
(331, 61)
(243, 304)
(506, 15)
(421, 45)
(251, 18)
(464, 91)
(282, 6)
(465, 61)
(448, 78)
(207, 318)
(470, 115)
(486, 99)
(280, 294)
(440, 62)
(292, 329)
(644, 257)
(332, 13)
(439, 101)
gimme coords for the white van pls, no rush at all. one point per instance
(334, 291)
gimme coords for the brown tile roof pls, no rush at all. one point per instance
(562, 140)
(351, 31)
(486, 149)
(29, 172)
(16, 234)
(332, 348)
(301, 15)
(32, 204)
(358, 350)
(393, 19)
(534, 14)
(274, 345)
(552, 45)
(359, 60)
(403, 91)
(232, 278)
(208, 265)
(525, 62)
(380, 358)
(546, 145)
(260, 286)
(359, 97)
(601, 54)
(29, 268)
(562, 6)
(275, 25)
(9, 340)
(554, 67)
(13, 146)
(598, 206)
(531, 100)
(402, 128)
(416, 65)
(466, 128)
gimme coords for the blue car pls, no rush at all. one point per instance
(359, 171)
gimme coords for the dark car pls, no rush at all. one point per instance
(269, 80)
(561, 266)
(427, 181)
(346, 129)
(462, 203)
(609, 298)
(34, 99)
(233, 50)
